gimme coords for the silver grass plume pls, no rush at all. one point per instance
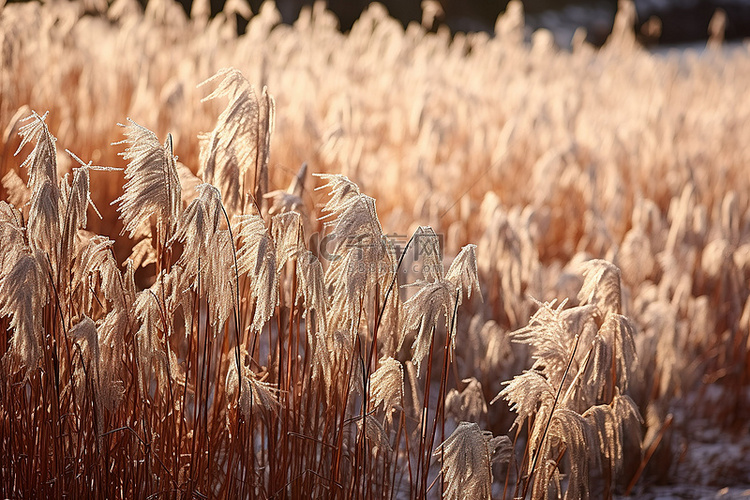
(550, 339)
(255, 396)
(344, 357)
(256, 257)
(567, 428)
(120, 290)
(469, 404)
(287, 237)
(85, 335)
(618, 332)
(357, 228)
(23, 295)
(375, 434)
(525, 393)
(601, 286)
(76, 202)
(422, 312)
(342, 192)
(312, 289)
(589, 383)
(221, 283)
(42, 161)
(360, 259)
(428, 250)
(291, 199)
(96, 260)
(467, 457)
(198, 222)
(150, 338)
(207, 256)
(128, 286)
(348, 283)
(153, 185)
(610, 425)
(463, 272)
(12, 235)
(184, 296)
(551, 333)
(43, 228)
(439, 293)
(112, 330)
(240, 143)
(387, 386)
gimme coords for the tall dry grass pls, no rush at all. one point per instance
(204, 330)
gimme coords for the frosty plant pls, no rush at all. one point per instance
(236, 365)
(574, 396)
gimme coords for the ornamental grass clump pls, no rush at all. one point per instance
(223, 357)
(251, 308)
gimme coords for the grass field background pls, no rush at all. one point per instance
(606, 191)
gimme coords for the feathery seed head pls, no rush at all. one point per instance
(343, 193)
(430, 252)
(387, 386)
(422, 313)
(524, 393)
(42, 161)
(467, 457)
(287, 237)
(153, 185)
(255, 396)
(23, 294)
(463, 272)
(601, 286)
(12, 236)
(256, 257)
(375, 434)
(207, 261)
(240, 143)
(44, 220)
(469, 404)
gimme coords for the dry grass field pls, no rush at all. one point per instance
(387, 263)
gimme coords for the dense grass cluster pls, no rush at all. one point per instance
(175, 321)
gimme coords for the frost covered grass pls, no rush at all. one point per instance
(192, 313)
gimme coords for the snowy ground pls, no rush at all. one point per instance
(707, 462)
